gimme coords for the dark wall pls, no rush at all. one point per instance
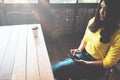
(56, 19)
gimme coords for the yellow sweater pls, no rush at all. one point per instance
(108, 52)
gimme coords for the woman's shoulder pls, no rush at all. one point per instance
(117, 33)
(91, 21)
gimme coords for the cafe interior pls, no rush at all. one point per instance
(63, 23)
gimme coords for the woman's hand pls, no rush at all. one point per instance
(74, 51)
(80, 48)
(90, 63)
(81, 61)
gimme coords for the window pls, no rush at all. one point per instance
(1, 1)
(74, 1)
(62, 1)
(20, 1)
(88, 1)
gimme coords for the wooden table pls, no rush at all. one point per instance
(23, 56)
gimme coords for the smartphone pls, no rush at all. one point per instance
(72, 57)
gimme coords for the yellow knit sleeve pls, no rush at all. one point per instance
(86, 32)
(113, 54)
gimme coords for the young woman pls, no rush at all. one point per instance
(99, 48)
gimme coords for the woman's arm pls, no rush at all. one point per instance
(80, 48)
(91, 63)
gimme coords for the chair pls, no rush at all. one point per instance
(106, 76)
(110, 70)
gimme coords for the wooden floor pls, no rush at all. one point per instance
(60, 46)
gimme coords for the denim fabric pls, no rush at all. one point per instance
(70, 69)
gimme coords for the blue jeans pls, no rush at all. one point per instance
(70, 69)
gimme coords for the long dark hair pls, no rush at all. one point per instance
(110, 23)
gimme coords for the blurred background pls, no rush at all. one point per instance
(63, 22)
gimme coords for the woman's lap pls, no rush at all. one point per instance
(71, 69)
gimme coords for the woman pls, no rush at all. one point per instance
(99, 48)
